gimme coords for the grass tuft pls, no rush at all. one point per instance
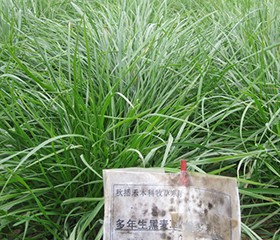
(108, 84)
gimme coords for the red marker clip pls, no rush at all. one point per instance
(184, 175)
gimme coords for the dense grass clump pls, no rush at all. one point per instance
(88, 85)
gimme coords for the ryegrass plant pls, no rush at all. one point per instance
(88, 85)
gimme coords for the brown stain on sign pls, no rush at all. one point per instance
(162, 213)
(174, 219)
(234, 223)
(205, 212)
(155, 210)
(172, 209)
(174, 180)
(145, 212)
(165, 236)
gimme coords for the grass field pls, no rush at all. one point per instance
(88, 85)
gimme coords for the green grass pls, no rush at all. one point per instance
(89, 85)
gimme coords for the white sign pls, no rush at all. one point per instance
(147, 205)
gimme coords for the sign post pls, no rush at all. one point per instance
(143, 204)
